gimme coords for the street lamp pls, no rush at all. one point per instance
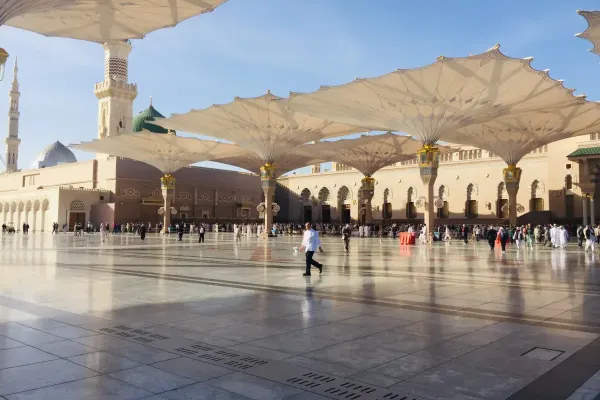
(3, 58)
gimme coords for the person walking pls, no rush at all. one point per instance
(310, 244)
(103, 232)
(447, 235)
(180, 230)
(465, 233)
(201, 234)
(518, 237)
(491, 237)
(590, 239)
(503, 234)
(143, 231)
(580, 236)
(346, 237)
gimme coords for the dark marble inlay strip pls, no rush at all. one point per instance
(561, 381)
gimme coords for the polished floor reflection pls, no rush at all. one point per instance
(161, 319)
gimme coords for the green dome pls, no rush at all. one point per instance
(144, 121)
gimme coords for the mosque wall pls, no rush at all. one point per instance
(199, 193)
(470, 182)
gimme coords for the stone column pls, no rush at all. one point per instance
(584, 198)
(367, 190)
(512, 177)
(429, 161)
(592, 211)
(268, 181)
(167, 184)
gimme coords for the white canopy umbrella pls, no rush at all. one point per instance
(513, 136)
(368, 154)
(166, 152)
(262, 125)
(100, 20)
(253, 163)
(592, 33)
(431, 102)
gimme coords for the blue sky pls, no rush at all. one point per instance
(245, 47)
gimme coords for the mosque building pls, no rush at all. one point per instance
(58, 188)
(469, 189)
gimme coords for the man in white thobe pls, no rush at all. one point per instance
(361, 230)
(563, 237)
(310, 244)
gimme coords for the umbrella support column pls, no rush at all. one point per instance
(268, 181)
(367, 190)
(429, 161)
(512, 177)
(167, 184)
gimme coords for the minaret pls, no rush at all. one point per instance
(115, 95)
(11, 156)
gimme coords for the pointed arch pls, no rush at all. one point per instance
(324, 195)
(536, 202)
(305, 195)
(411, 197)
(471, 206)
(344, 194)
(568, 182)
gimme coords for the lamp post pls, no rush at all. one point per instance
(3, 58)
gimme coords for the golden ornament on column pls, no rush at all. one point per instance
(3, 58)
(167, 181)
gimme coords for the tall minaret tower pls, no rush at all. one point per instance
(115, 95)
(11, 156)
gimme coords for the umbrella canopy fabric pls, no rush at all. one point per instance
(368, 154)
(166, 152)
(263, 125)
(513, 136)
(430, 101)
(592, 33)
(100, 20)
(252, 162)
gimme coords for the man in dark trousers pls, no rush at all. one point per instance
(310, 244)
(180, 230)
(143, 232)
(346, 231)
(465, 233)
(491, 237)
(201, 233)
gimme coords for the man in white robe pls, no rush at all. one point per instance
(553, 236)
(563, 237)
(361, 230)
(367, 231)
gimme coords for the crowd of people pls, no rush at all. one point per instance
(525, 236)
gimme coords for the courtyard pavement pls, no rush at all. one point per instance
(161, 319)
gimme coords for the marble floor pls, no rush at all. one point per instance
(161, 319)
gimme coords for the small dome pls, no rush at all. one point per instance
(54, 154)
(145, 118)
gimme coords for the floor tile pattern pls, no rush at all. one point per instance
(236, 320)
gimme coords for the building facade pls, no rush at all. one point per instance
(469, 189)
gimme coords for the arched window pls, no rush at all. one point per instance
(324, 195)
(386, 210)
(305, 195)
(502, 201)
(471, 205)
(411, 210)
(444, 211)
(569, 182)
(343, 196)
(536, 203)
